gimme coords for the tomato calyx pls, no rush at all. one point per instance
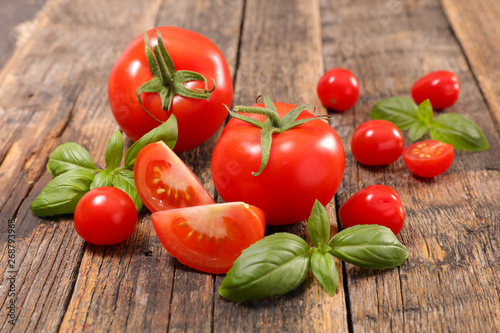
(273, 124)
(166, 80)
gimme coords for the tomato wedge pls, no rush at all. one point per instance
(428, 158)
(209, 238)
(163, 181)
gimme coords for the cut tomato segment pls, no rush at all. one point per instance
(209, 238)
(163, 181)
(428, 158)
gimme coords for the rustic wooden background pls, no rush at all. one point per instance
(55, 57)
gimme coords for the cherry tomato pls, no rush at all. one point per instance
(338, 89)
(306, 163)
(441, 88)
(428, 158)
(163, 181)
(105, 215)
(377, 142)
(376, 204)
(197, 119)
(209, 238)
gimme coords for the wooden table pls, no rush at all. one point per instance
(56, 60)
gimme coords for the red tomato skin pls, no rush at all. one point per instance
(338, 89)
(428, 166)
(105, 216)
(377, 142)
(197, 119)
(156, 155)
(306, 163)
(245, 223)
(376, 204)
(440, 87)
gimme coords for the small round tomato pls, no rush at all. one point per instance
(376, 204)
(428, 158)
(198, 119)
(377, 142)
(105, 216)
(305, 163)
(338, 89)
(440, 87)
(209, 238)
(163, 181)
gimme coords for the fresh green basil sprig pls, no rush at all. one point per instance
(453, 128)
(281, 262)
(74, 173)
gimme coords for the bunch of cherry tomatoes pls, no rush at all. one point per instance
(297, 164)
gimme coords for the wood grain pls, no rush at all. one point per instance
(477, 27)
(454, 257)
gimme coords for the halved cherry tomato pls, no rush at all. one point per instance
(440, 87)
(377, 142)
(338, 89)
(163, 181)
(209, 238)
(376, 204)
(428, 158)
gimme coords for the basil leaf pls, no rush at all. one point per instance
(417, 130)
(166, 132)
(69, 156)
(103, 178)
(401, 111)
(368, 246)
(274, 265)
(459, 131)
(325, 270)
(319, 225)
(124, 180)
(425, 113)
(62, 193)
(114, 151)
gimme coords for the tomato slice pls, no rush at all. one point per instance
(428, 158)
(163, 181)
(209, 238)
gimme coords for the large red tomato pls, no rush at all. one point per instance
(197, 119)
(305, 163)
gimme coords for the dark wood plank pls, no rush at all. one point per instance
(452, 220)
(281, 58)
(138, 292)
(477, 27)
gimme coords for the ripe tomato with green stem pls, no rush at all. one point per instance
(428, 158)
(209, 238)
(377, 142)
(105, 216)
(280, 158)
(376, 204)
(171, 70)
(164, 182)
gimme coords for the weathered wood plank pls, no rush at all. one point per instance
(281, 58)
(477, 27)
(452, 220)
(155, 292)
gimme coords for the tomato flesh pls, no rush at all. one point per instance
(105, 216)
(428, 158)
(163, 181)
(376, 204)
(209, 238)
(377, 142)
